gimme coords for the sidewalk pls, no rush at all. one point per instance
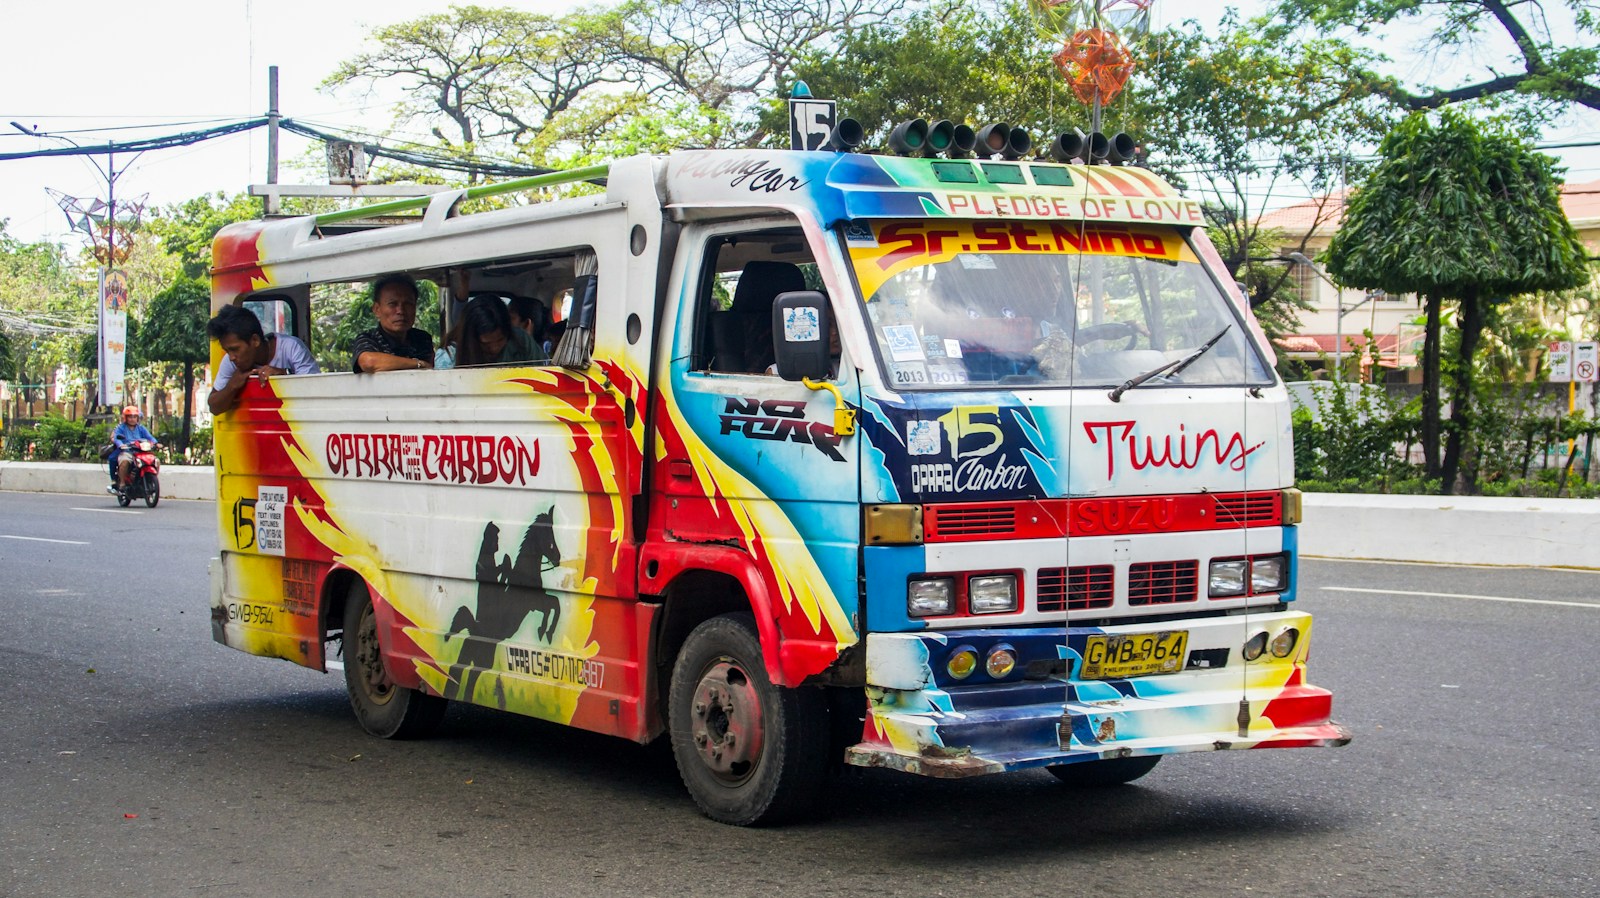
(177, 481)
(1441, 529)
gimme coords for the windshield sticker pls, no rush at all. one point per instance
(903, 245)
(859, 233)
(922, 438)
(904, 346)
(913, 375)
(944, 373)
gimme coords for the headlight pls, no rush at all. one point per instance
(1283, 643)
(963, 661)
(1001, 660)
(927, 598)
(1227, 577)
(1269, 574)
(1256, 645)
(992, 594)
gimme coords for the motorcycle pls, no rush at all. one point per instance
(144, 477)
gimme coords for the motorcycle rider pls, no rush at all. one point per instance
(125, 439)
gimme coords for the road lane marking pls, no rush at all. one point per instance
(109, 510)
(40, 539)
(1457, 595)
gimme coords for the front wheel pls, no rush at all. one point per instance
(1111, 772)
(748, 751)
(384, 708)
(152, 490)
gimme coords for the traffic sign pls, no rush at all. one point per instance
(1586, 362)
(1561, 361)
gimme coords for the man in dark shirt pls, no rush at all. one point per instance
(394, 345)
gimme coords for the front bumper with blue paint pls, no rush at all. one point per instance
(923, 720)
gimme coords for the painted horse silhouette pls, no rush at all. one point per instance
(508, 593)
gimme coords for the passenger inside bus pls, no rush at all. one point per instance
(485, 335)
(395, 344)
(249, 352)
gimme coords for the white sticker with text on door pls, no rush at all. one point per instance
(270, 501)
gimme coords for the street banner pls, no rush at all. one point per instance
(113, 334)
(1586, 362)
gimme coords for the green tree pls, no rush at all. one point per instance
(1554, 54)
(1464, 212)
(175, 331)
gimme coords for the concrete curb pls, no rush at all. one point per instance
(177, 481)
(1438, 529)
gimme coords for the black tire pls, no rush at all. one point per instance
(1100, 774)
(749, 752)
(383, 708)
(152, 490)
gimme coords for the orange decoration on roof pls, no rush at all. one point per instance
(1095, 63)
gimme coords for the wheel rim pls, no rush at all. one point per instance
(726, 722)
(368, 660)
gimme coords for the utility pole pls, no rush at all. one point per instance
(270, 201)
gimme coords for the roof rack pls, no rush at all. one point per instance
(588, 173)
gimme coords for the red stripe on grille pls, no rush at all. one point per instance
(1075, 589)
(1163, 582)
(1115, 516)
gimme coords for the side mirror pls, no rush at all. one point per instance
(801, 327)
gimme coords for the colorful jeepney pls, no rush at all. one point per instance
(949, 466)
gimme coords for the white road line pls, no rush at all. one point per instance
(40, 539)
(110, 510)
(1455, 595)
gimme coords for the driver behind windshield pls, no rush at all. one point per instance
(123, 440)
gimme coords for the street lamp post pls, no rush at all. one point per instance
(108, 260)
(1340, 310)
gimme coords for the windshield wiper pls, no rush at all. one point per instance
(1173, 367)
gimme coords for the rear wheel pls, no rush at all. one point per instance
(749, 752)
(1112, 772)
(384, 708)
(152, 490)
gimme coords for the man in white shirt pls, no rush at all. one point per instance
(253, 353)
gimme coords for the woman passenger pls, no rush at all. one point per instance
(485, 336)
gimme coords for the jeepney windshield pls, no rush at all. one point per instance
(1054, 304)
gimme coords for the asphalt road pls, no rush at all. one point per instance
(138, 758)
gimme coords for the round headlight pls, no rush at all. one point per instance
(1256, 646)
(1283, 643)
(963, 661)
(1002, 660)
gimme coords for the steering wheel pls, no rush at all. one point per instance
(1111, 330)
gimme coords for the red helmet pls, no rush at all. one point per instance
(130, 410)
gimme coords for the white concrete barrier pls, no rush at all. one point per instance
(1453, 529)
(177, 481)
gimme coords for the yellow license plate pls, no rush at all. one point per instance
(1133, 655)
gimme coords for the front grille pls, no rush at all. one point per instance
(1163, 582)
(1250, 509)
(1075, 589)
(977, 519)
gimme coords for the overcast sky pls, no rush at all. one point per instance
(87, 68)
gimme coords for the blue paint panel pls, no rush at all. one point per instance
(887, 569)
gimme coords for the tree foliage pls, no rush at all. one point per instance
(1553, 54)
(1462, 212)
